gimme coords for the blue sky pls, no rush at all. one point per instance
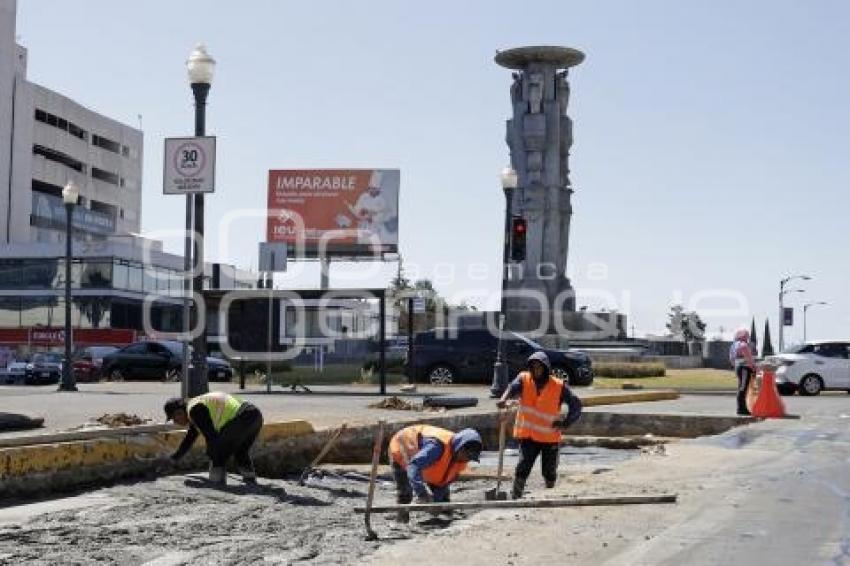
(711, 137)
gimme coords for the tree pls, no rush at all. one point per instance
(767, 347)
(685, 324)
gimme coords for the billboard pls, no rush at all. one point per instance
(340, 211)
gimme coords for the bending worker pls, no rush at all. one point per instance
(229, 426)
(427, 459)
(539, 420)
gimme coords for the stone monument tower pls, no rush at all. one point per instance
(540, 135)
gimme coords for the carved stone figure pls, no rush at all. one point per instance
(535, 92)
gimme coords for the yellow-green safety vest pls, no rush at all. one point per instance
(221, 406)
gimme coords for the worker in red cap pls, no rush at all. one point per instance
(741, 358)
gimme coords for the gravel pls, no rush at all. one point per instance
(185, 520)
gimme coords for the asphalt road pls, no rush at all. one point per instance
(791, 507)
(775, 492)
(327, 406)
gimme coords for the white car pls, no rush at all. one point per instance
(813, 367)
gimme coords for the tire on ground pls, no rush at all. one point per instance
(450, 401)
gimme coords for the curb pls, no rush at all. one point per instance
(120, 454)
(637, 397)
(286, 447)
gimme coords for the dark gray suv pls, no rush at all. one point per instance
(444, 356)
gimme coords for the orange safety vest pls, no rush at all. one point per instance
(537, 412)
(405, 444)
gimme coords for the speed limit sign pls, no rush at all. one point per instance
(189, 165)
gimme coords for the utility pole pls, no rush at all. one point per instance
(782, 293)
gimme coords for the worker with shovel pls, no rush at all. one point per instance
(229, 426)
(539, 421)
(427, 459)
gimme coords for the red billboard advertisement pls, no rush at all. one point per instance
(338, 209)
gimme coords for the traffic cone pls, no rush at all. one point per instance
(768, 403)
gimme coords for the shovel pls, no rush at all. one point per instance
(496, 494)
(327, 448)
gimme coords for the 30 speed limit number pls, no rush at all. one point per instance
(189, 165)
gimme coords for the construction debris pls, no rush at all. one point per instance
(396, 404)
(114, 420)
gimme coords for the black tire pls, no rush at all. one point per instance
(811, 385)
(441, 374)
(450, 401)
(116, 374)
(786, 390)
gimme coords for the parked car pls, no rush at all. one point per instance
(218, 369)
(444, 356)
(813, 367)
(15, 373)
(157, 359)
(87, 363)
(43, 368)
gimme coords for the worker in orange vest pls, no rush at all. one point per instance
(539, 421)
(427, 459)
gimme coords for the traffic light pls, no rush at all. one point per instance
(519, 228)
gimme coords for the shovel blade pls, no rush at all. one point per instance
(493, 495)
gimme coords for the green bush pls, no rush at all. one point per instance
(631, 370)
(260, 367)
(369, 377)
(396, 365)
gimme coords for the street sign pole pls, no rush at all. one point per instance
(272, 259)
(189, 169)
(410, 365)
(269, 276)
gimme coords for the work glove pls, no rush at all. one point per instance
(560, 422)
(502, 403)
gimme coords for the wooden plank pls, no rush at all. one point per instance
(525, 503)
(376, 460)
(86, 435)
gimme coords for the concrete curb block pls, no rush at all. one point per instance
(636, 397)
(124, 453)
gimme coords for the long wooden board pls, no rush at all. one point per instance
(525, 503)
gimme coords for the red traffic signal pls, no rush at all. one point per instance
(519, 228)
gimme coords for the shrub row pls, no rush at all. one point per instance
(625, 370)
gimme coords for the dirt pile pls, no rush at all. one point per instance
(120, 419)
(396, 404)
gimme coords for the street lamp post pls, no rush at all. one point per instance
(782, 293)
(200, 67)
(70, 194)
(500, 368)
(805, 313)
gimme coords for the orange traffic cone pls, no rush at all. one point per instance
(768, 403)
